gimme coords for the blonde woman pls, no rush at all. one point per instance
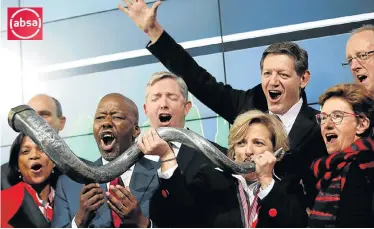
(219, 199)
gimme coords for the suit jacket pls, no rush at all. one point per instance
(4, 179)
(18, 209)
(212, 200)
(142, 185)
(190, 161)
(305, 137)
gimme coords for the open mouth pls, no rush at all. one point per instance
(36, 167)
(361, 78)
(330, 138)
(164, 118)
(274, 94)
(107, 140)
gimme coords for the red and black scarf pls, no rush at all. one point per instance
(331, 174)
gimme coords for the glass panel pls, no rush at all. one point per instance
(79, 95)
(243, 15)
(11, 85)
(113, 32)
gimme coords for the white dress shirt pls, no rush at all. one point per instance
(126, 178)
(289, 118)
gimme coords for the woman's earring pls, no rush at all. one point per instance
(53, 170)
(20, 174)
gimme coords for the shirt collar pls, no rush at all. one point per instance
(289, 117)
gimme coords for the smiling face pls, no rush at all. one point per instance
(165, 104)
(115, 126)
(280, 82)
(256, 141)
(338, 137)
(362, 70)
(33, 164)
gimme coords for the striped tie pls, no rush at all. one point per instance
(244, 202)
(253, 210)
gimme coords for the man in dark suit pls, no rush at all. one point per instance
(113, 204)
(166, 105)
(50, 109)
(285, 74)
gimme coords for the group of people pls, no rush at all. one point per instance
(323, 178)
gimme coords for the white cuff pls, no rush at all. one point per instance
(73, 224)
(264, 192)
(168, 173)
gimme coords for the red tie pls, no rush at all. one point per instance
(116, 218)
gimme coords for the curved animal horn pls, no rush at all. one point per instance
(25, 119)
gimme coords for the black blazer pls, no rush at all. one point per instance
(189, 162)
(4, 176)
(212, 200)
(305, 136)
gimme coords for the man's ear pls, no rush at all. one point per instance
(62, 122)
(304, 79)
(136, 131)
(145, 109)
(187, 107)
(363, 125)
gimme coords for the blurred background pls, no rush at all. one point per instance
(90, 48)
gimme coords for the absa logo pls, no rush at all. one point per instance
(25, 23)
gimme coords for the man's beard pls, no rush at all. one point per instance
(112, 155)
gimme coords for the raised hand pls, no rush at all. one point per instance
(151, 143)
(125, 205)
(264, 167)
(91, 198)
(143, 16)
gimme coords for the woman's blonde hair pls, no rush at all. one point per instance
(241, 125)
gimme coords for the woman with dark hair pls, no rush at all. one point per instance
(29, 202)
(346, 176)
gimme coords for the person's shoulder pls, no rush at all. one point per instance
(216, 178)
(4, 166)
(309, 110)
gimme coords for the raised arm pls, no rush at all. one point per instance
(221, 98)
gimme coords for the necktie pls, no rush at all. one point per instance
(253, 210)
(116, 218)
(250, 216)
(244, 202)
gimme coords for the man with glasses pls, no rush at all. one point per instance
(359, 55)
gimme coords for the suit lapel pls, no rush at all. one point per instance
(144, 173)
(29, 214)
(103, 216)
(301, 128)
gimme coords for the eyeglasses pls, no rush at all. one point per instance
(335, 116)
(360, 56)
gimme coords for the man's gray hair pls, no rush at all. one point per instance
(157, 76)
(367, 27)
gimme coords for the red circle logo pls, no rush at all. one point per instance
(25, 23)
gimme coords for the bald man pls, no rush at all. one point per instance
(359, 56)
(50, 109)
(115, 129)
